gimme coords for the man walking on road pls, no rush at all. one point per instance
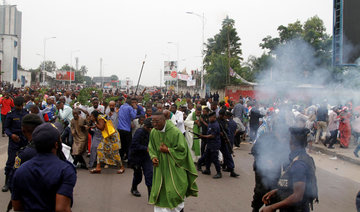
(126, 114)
(6, 104)
(174, 170)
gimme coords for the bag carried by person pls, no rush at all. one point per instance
(109, 129)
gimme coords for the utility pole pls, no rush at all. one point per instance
(101, 74)
(229, 55)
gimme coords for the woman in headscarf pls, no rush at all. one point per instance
(108, 149)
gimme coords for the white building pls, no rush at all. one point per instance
(10, 46)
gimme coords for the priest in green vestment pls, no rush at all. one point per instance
(174, 170)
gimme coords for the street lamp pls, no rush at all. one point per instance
(202, 17)
(43, 66)
(71, 53)
(177, 72)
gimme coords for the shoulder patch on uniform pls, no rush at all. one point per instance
(17, 162)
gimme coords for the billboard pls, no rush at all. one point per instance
(65, 75)
(170, 70)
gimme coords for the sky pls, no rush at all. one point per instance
(123, 32)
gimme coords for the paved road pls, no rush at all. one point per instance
(338, 184)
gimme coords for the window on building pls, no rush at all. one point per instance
(15, 43)
(15, 68)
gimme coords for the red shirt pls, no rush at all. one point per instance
(7, 104)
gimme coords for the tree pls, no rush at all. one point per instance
(302, 47)
(114, 77)
(66, 67)
(256, 65)
(83, 70)
(50, 66)
(312, 31)
(223, 52)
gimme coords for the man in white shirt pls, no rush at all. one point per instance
(179, 118)
(66, 115)
(96, 106)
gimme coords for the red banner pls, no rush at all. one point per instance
(65, 75)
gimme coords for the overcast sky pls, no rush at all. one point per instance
(123, 32)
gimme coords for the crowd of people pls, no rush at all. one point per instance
(167, 138)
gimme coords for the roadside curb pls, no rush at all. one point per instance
(333, 153)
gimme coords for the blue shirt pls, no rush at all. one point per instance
(140, 111)
(232, 129)
(214, 143)
(126, 115)
(37, 181)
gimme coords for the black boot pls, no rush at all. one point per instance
(206, 171)
(233, 174)
(135, 192)
(5, 188)
(149, 191)
(199, 167)
(218, 175)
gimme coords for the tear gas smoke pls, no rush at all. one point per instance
(296, 77)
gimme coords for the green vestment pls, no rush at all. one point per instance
(174, 178)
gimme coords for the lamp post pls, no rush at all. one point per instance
(43, 66)
(71, 54)
(202, 17)
(177, 71)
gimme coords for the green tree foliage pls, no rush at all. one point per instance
(312, 32)
(83, 70)
(224, 45)
(114, 77)
(50, 66)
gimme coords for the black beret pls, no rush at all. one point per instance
(45, 136)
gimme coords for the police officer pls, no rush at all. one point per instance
(224, 134)
(213, 145)
(58, 177)
(139, 158)
(28, 125)
(297, 185)
(16, 137)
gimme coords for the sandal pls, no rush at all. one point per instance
(95, 171)
(121, 170)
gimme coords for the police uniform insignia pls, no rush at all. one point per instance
(283, 183)
(17, 162)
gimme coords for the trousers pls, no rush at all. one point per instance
(125, 138)
(228, 160)
(145, 167)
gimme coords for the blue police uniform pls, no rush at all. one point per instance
(24, 154)
(297, 171)
(228, 160)
(213, 145)
(232, 129)
(56, 177)
(139, 157)
(13, 126)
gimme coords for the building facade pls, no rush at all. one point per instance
(10, 45)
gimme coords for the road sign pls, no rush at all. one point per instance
(174, 74)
